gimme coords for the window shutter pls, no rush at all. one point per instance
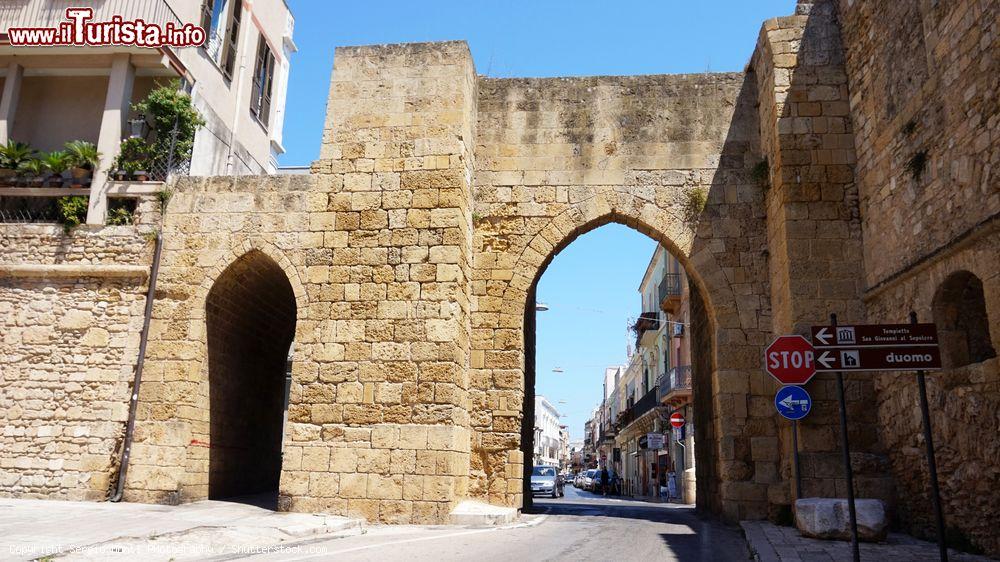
(255, 93)
(232, 39)
(206, 18)
(265, 106)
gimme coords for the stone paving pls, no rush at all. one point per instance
(771, 543)
(64, 530)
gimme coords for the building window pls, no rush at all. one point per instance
(263, 78)
(960, 314)
(221, 20)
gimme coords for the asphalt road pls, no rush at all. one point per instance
(580, 526)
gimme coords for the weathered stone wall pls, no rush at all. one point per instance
(814, 233)
(556, 158)
(376, 247)
(70, 316)
(927, 88)
(411, 254)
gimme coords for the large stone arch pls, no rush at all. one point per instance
(659, 212)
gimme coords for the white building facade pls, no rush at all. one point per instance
(237, 80)
(548, 433)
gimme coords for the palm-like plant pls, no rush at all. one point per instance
(56, 162)
(15, 153)
(34, 171)
(83, 155)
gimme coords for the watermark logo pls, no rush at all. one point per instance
(79, 30)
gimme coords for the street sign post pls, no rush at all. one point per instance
(877, 335)
(922, 357)
(792, 402)
(790, 359)
(876, 347)
(677, 419)
(654, 440)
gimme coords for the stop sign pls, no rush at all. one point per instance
(790, 360)
(677, 419)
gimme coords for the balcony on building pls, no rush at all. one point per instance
(637, 410)
(52, 95)
(675, 386)
(647, 322)
(669, 290)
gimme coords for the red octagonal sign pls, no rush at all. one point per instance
(790, 359)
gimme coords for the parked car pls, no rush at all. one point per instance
(545, 480)
(590, 480)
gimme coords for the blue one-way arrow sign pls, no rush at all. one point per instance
(792, 402)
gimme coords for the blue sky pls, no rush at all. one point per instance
(592, 285)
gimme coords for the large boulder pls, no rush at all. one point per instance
(829, 518)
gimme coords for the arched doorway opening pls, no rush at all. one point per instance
(664, 366)
(250, 317)
(960, 314)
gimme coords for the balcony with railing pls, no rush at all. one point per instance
(637, 410)
(670, 290)
(50, 13)
(81, 97)
(675, 386)
(646, 322)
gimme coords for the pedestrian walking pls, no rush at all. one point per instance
(671, 486)
(604, 480)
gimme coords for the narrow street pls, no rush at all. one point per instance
(579, 526)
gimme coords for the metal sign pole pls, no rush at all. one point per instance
(931, 462)
(795, 459)
(848, 472)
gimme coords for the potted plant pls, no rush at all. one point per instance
(56, 162)
(33, 171)
(12, 155)
(133, 157)
(83, 158)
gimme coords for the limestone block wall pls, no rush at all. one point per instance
(925, 105)
(376, 248)
(70, 315)
(558, 157)
(814, 232)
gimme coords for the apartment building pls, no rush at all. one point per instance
(237, 80)
(548, 433)
(656, 383)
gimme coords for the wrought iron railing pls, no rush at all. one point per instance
(29, 209)
(678, 378)
(646, 403)
(670, 286)
(50, 13)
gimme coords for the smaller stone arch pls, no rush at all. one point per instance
(250, 318)
(959, 308)
(243, 247)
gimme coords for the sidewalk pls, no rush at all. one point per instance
(771, 543)
(62, 530)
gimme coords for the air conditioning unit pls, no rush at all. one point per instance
(678, 329)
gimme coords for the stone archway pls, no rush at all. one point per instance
(250, 319)
(723, 378)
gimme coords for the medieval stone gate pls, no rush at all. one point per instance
(399, 278)
(412, 250)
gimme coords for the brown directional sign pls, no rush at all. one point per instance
(874, 335)
(898, 358)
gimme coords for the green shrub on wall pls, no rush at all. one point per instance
(72, 211)
(170, 108)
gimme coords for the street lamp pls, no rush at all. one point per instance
(541, 306)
